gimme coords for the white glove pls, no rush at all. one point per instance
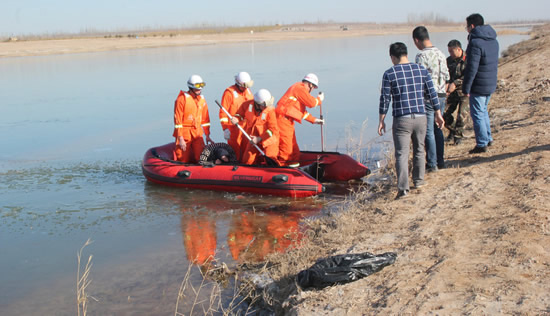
(321, 96)
(226, 134)
(319, 121)
(256, 139)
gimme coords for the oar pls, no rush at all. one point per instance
(269, 161)
(322, 132)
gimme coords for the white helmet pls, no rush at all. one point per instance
(263, 96)
(243, 79)
(312, 78)
(196, 82)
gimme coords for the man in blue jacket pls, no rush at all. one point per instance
(480, 77)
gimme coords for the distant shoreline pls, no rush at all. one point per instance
(19, 48)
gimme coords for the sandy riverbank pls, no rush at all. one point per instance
(295, 32)
(474, 240)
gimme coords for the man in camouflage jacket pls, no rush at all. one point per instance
(456, 100)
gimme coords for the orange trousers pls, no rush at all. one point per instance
(193, 152)
(252, 156)
(235, 141)
(289, 152)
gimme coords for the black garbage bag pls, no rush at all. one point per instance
(342, 269)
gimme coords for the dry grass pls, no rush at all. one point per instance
(353, 145)
(354, 140)
(83, 281)
(377, 149)
(207, 298)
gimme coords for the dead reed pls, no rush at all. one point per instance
(207, 297)
(83, 281)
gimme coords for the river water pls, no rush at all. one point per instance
(75, 128)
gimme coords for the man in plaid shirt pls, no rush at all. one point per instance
(405, 84)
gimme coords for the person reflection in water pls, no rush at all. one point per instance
(251, 235)
(254, 235)
(199, 238)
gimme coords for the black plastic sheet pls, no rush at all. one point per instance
(342, 269)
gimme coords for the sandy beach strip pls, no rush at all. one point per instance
(297, 32)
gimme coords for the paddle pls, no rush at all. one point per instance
(322, 132)
(268, 161)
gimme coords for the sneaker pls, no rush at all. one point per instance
(478, 150)
(449, 138)
(419, 184)
(441, 166)
(490, 144)
(401, 194)
(431, 169)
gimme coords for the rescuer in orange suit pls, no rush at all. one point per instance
(232, 99)
(259, 120)
(292, 108)
(191, 120)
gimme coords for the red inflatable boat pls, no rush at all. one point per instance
(159, 167)
(334, 166)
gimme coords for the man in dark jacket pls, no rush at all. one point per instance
(480, 77)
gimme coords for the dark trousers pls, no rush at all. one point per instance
(461, 105)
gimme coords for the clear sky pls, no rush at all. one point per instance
(19, 17)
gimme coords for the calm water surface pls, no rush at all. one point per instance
(76, 126)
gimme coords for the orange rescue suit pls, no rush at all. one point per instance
(191, 118)
(232, 99)
(263, 125)
(292, 108)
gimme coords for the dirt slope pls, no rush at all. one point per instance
(474, 240)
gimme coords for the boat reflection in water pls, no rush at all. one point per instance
(231, 227)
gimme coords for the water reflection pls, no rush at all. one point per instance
(233, 227)
(199, 237)
(253, 235)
